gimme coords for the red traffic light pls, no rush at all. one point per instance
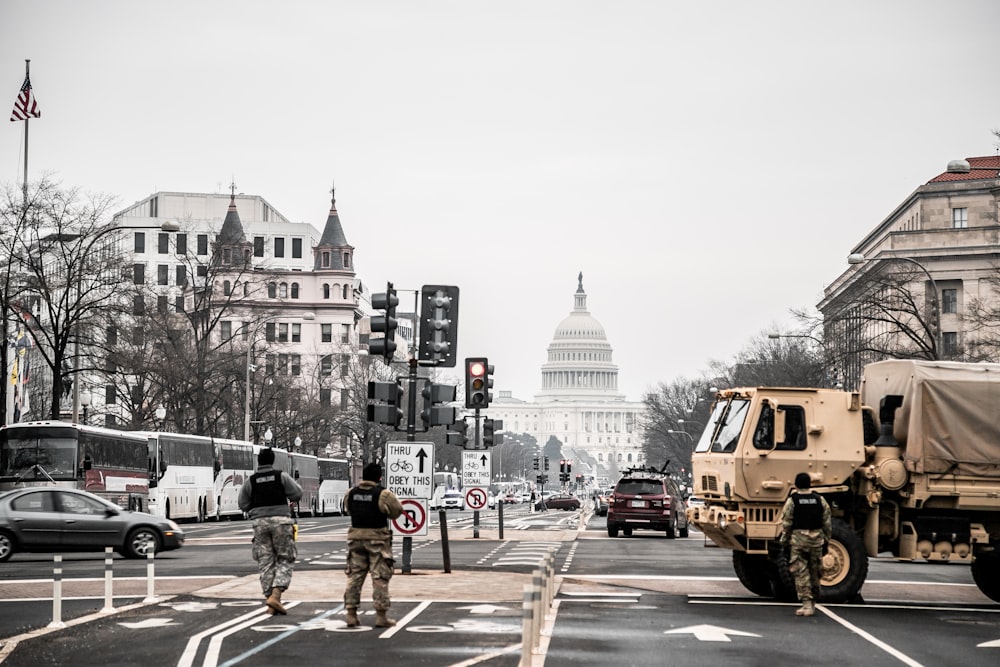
(477, 369)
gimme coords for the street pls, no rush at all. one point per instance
(644, 600)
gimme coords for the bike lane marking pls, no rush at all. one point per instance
(401, 623)
(191, 649)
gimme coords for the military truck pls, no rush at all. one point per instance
(910, 466)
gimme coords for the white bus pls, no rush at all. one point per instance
(333, 485)
(181, 471)
(235, 461)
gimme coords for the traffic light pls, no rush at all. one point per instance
(435, 414)
(457, 434)
(489, 384)
(386, 408)
(476, 392)
(562, 471)
(536, 463)
(384, 324)
(438, 324)
(546, 464)
(490, 435)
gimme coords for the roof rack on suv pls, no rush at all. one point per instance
(647, 469)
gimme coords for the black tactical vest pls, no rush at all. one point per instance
(362, 504)
(808, 511)
(266, 489)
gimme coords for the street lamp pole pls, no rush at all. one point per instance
(858, 258)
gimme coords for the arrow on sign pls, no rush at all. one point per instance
(149, 623)
(421, 455)
(411, 518)
(709, 633)
(484, 460)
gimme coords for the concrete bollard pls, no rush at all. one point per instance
(57, 593)
(109, 603)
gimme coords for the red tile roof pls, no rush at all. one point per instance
(982, 168)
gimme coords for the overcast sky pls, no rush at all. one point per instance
(708, 166)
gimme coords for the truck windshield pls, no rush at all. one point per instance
(724, 426)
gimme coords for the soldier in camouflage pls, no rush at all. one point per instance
(369, 544)
(805, 528)
(265, 498)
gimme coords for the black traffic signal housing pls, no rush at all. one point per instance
(438, 325)
(477, 393)
(490, 435)
(435, 414)
(387, 401)
(385, 324)
(562, 471)
(535, 462)
(458, 434)
(546, 464)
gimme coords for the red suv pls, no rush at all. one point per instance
(646, 499)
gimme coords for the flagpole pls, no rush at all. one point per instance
(24, 185)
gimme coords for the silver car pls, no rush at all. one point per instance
(54, 520)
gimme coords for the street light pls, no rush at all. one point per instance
(858, 258)
(160, 413)
(85, 399)
(268, 436)
(297, 442)
(250, 367)
(673, 432)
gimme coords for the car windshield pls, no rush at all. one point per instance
(640, 487)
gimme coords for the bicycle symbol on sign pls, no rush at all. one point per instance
(400, 466)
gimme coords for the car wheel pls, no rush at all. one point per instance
(6, 546)
(612, 530)
(141, 542)
(671, 530)
(627, 532)
(683, 532)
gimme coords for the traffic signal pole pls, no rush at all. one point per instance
(411, 436)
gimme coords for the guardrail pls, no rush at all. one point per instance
(109, 607)
(538, 596)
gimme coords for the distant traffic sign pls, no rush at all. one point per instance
(409, 469)
(475, 468)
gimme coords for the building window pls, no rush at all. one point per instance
(282, 364)
(180, 275)
(140, 242)
(227, 288)
(326, 365)
(162, 303)
(226, 329)
(258, 246)
(279, 247)
(182, 244)
(162, 274)
(297, 248)
(324, 396)
(269, 364)
(324, 259)
(269, 329)
(179, 303)
(949, 340)
(345, 333)
(202, 244)
(138, 336)
(296, 333)
(111, 335)
(295, 290)
(283, 332)
(949, 300)
(110, 396)
(163, 243)
(202, 271)
(138, 305)
(344, 399)
(296, 364)
(347, 292)
(283, 291)
(959, 218)
(227, 257)
(272, 290)
(347, 260)
(138, 274)
(326, 291)
(326, 333)
(345, 361)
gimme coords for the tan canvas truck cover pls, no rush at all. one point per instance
(949, 422)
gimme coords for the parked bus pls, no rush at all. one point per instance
(305, 471)
(106, 462)
(235, 461)
(181, 471)
(333, 485)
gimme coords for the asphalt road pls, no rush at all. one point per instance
(644, 600)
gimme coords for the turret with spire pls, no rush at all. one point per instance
(233, 247)
(333, 252)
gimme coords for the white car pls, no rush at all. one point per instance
(452, 500)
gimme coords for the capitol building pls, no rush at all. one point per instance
(579, 403)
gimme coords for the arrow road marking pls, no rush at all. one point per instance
(484, 608)
(993, 644)
(709, 633)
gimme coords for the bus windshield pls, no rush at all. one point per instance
(49, 452)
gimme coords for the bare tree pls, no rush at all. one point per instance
(669, 408)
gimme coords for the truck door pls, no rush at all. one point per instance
(777, 451)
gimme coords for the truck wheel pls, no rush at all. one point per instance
(755, 572)
(845, 566)
(986, 574)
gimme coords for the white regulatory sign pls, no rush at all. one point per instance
(475, 468)
(409, 469)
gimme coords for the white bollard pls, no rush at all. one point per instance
(527, 625)
(109, 602)
(150, 595)
(57, 593)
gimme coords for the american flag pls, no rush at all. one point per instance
(25, 105)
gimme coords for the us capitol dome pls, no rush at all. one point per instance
(579, 365)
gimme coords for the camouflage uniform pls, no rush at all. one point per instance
(370, 550)
(806, 560)
(274, 550)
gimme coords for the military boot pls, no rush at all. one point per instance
(274, 602)
(808, 608)
(383, 621)
(352, 617)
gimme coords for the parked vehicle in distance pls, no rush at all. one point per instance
(602, 498)
(559, 501)
(695, 501)
(56, 519)
(649, 499)
(510, 499)
(453, 500)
